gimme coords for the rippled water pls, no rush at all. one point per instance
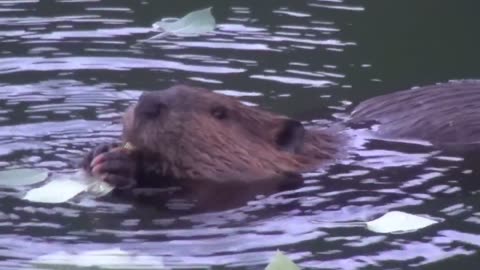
(69, 68)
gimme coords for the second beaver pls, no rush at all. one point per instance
(196, 138)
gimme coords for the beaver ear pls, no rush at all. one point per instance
(290, 136)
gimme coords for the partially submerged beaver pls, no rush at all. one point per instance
(197, 139)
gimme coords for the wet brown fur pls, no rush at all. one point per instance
(186, 141)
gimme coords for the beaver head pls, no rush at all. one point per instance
(195, 134)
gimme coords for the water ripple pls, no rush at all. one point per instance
(11, 65)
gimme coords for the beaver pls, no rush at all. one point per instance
(197, 139)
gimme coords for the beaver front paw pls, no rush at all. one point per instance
(113, 164)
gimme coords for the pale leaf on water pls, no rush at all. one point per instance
(398, 222)
(56, 191)
(66, 186)
(22, 177)
(194, 23)
(281, 262)
(99, 259)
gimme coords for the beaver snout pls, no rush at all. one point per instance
(150, 106)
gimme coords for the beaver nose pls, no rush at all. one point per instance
(149, 106)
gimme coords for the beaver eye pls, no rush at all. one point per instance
(219, 112)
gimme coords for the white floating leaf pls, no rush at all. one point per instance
(22, 177)
(99, 259)
(194, 23)
(397, 222)
(64, 187)
(281, 262)
(56, 191)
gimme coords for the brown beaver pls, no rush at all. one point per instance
(197, 138)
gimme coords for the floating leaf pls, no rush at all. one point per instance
(22, 177)
(281, 262)
(56, 191)
(64, 187)
(194, 23)
(398, 222)
(99, 259)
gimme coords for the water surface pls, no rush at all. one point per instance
(69, 68)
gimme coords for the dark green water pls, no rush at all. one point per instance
(69, 68)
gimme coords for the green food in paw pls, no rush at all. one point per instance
(128, 146)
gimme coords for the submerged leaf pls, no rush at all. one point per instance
(94, 186)
(56, 191)
(99, 259)
(397, 222)
(99, 188)
(194, 23)
(281, 262)
(22, 177)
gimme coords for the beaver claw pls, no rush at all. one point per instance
(112, 164)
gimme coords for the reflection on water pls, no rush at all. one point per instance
(69, 68)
